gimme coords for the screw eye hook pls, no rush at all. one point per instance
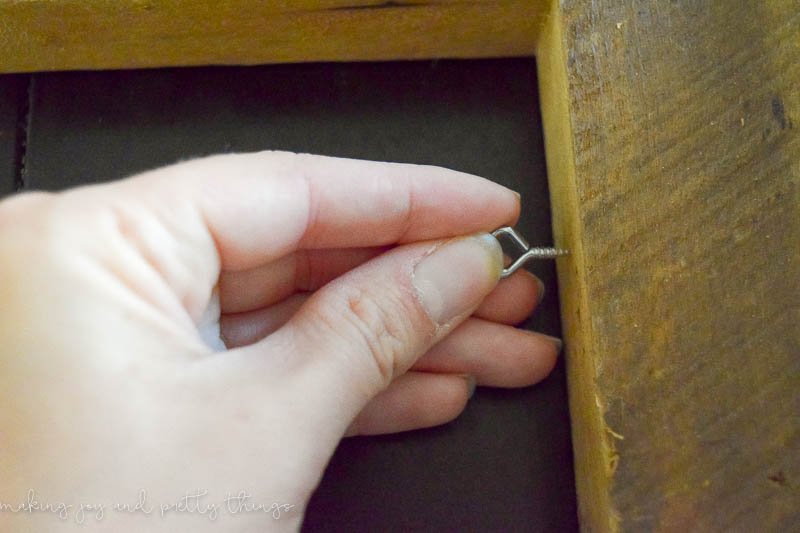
(528, 252)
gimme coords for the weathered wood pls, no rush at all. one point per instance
(671, 133)
(102, 34)
(674, 159)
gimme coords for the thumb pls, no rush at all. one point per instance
(356, 334)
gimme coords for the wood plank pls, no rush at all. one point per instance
(674, 160)
(13, 96)
(506, 462)
(98, 34)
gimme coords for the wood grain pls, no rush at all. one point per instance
(674, 159)
(103, 34)
(672, 144)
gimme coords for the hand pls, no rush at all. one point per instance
(347, 296)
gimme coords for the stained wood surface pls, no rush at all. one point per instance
(506, 463)
(671, 133)
(674, 160)
(102, 34)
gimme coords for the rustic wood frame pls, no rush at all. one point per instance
(673, 168)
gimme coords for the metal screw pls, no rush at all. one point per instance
(528, 253)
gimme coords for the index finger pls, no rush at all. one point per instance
(261, 206)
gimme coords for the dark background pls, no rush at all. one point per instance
(506, 463)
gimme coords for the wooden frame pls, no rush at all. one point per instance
(673, 164)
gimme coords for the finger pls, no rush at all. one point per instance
(244, 295)
(260, 206)
(510, 302)
(355, 334)
(414, 400)
(514, 298)
(242, 329)
(496, 354)
(238, 211)
(303, 270)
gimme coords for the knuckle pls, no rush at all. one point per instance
(26, 205)
(33, 225)
(382, 328)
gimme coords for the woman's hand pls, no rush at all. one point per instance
(347, 296)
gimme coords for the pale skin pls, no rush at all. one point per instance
(352, 297)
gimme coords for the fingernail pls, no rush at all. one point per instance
(558, 343)
(457, 275)
(519, 196)
(471, 383)
(540, 291)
